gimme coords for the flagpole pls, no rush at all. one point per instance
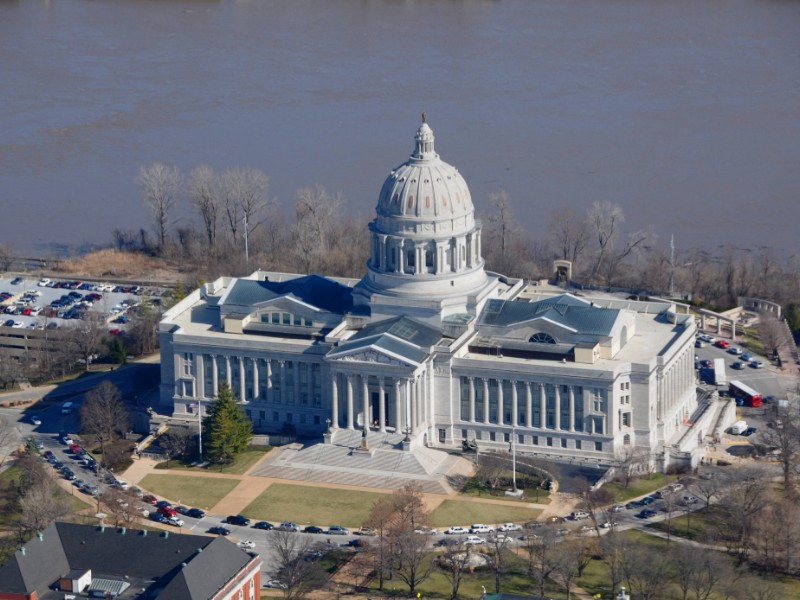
(200, 425)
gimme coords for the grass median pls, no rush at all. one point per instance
(202, 492)
(464, 512)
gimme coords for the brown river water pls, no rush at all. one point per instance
(686, 113)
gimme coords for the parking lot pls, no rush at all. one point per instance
(29, 303)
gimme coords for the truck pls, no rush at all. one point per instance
(66, 408)
(719, 371)
(739, 427)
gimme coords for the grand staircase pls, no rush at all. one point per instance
(382, 464)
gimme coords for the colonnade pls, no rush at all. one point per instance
(395, 254)
(674, 382)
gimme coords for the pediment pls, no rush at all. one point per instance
(373, 356)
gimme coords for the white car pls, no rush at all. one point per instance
(480, 528)
(175, 521)
(274, 583)
(455, 531)
(474, 539)
(618, 508)
(501, 538)
(18, 325)
(426, 531)
(247, 544)
(510, 527)
(689, 500)
(735, 350)
(43, 282)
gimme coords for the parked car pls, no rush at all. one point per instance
(275, 584)
(646, 514)
(480, 528)
(474, 539)
(738, 365)
(749, 431)
(265, 525)
(167, 511)
(506, 527)
(756, 364)
(246, 544)
(158, 517)
(369, 531)
(313, 529)
(289, 526)
(338, 530)
(688, 499)
(579, 515)
(219, 530)
(175, 521)
(735, 350)
(455, 531)
(722, 344)
(195, 513)
(238, 520)
(746, 357)
(160, 503)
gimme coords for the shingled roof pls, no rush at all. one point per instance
(185, 567)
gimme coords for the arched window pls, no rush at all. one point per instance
(542, 338)
(626, 440)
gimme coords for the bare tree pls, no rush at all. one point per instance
(455, 564)
(411, 564)
(161, 186)
(103, 413)
(572, 557)
(613, 548)
(7, 437)
(570, 234)
(6, 257)
(742, 501)
(177, 442)
(771, 333)
(605, 219)
(630, 461)
(300, 576)
(245, 198)
(646, 569)
(380, 519)
(784, 440)
(315, 212)
(41, 504)
(502, 227)
(85, 337)
(121, 507)
(709, 487)
(204, 193)
(542, 555)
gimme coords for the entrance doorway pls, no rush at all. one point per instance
(374, 406)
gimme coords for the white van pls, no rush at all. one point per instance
(739, 427)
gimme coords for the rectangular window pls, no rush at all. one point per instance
(506, 437)
(598, 446)
(262, 414)
(463, 434)
(188, 388)
(308, 322)
(442, 436)
(276, 318)
(521, 438)
(316, 419)
(492, 436)
(303, 419)
(549, 441)
(297, 320)
(563, 442)
(535, 440)
(289, 417)
(264, 318)
(287, 319)
(577, 444)
(626, 419)
(275, 417)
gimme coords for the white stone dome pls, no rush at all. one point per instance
(424, 189)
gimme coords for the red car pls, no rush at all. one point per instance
(167, 511)
(150, 499)
(722, 344)
(74, 448)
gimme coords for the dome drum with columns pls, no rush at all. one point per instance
(425, 241)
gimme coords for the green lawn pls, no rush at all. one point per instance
(202, 492)
(537, 496)
(639, 487)
(238, 467)
(312, 505)
(462, 512)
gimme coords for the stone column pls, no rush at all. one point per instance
(365, 400)
(256, 391)
(542, 406)
(242, 387)
(334, 401)
(200, 378)
(398, 406)
(284, 395)
(514, 405)
(381, 404)
(228, 376)
(557, 412)
(485, 400)
(349, 401)
(571, 408)
(214, 376)
(500, 407)
(412, 422)
(528, 405)
(471, 399)
(268, 377)
(382, 252)
(296, 382)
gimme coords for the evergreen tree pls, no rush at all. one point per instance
(226, 429)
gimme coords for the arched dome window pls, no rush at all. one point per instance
(542, 338)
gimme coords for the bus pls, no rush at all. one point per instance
(745, 393)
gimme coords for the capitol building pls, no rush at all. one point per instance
(429, 349)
